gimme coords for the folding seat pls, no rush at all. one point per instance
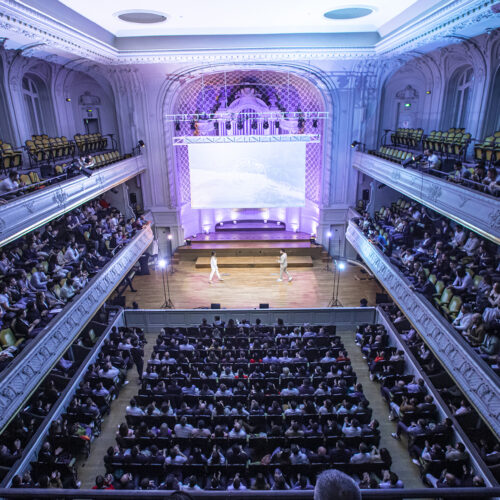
(25, 179)
(10, 157)
(453, 308)
(445, 297)
(433, 279)
(34, 177)
(8, 339)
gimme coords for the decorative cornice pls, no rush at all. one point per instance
(468, 207)
(447, 20)
(464, 365)
(24, 214)
(35, 361)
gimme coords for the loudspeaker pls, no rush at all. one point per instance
(263, 306)
(214, 306)
(119, 301)
(366, 195)
(86, 171)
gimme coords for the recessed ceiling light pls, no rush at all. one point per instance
(141, 17)
(348, 13)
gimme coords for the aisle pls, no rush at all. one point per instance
(94, 465)
(401, 462)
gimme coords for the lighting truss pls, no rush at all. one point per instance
(216, 139)
(265, 115)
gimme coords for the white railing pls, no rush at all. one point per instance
(26, 371)
(464, 365)
(476, 210)
(23, 214)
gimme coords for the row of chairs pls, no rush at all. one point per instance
(9, 158)
(454, 141)
(489, 149)
(409, 137)
(42, 148)
(89, 143)
(106, 158)
(392, 154)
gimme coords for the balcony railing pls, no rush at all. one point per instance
(471, 208)
(28, 369)
(26, 213)
(463, 364)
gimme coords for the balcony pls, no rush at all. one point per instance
(30, 366)
(473, 209)
(26, 213)
(464, 365)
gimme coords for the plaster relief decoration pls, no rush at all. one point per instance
(26, 371)
(494, 219)
(60, 197)
(29, 206)
(87, 99)
(433, 192)
(407, 94)
(449, 347)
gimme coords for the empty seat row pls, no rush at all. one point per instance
(409, 137)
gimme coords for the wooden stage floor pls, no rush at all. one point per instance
(246, 288)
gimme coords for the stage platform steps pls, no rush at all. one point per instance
(251, 261)
(250, 225)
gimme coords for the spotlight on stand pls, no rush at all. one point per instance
(354, 144)
(141, 144)
(341, 265)
(162, 263)
(407, 162)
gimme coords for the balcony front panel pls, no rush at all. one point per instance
(463, 364)
(26, 213)
(473, 209)
(26, 371)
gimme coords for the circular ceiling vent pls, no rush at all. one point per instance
(141, 17)
(348, 13)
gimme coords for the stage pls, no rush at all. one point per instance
(248, 262)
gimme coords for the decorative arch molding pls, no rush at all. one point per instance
(173, 86)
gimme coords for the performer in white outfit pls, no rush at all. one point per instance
(214, 267)
(283, 260)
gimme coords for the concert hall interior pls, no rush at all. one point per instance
(249, 247)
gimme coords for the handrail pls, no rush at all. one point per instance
(30, 493)
(36, 441)
(24, 373)
(468, 370)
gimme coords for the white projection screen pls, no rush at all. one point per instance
(247, 175)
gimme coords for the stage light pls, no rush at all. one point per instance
(169, 236)
(141, 143)
(329, 234)
(221, 224)
(278, 223)
(265, 221)
(234, 222)
(407, 104)
(341, 266)
(177, 126)
(68, 99)
(406, 162)
(428, 92)
(89, 111)
(162, 263)
(354, 144)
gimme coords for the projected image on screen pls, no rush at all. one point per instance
(247, 175)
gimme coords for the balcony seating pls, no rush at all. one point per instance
(9, 158)
(89, 143)
(489, 149)
(452, 142)
(392, 154)
(409, 137)
(42, 148)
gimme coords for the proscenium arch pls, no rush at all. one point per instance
(171, 88)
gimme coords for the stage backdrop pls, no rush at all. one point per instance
(247, 175)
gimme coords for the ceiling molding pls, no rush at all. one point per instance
(27, 25)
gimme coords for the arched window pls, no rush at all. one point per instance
(492, 123)
(459, 97)
(31, 94)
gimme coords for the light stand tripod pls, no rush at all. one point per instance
(334, 301)
(329, 236)
(168, 302)
(170, 254)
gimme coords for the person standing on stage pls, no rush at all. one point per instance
(283, 260)
(214, 267)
